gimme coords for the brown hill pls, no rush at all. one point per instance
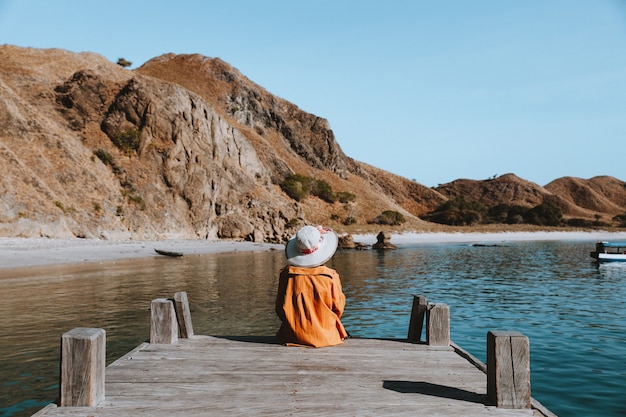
(91, 149)
(508, 189)
(186, 146)
(577, 198)
(602, 195)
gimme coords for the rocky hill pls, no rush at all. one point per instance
(187, 147)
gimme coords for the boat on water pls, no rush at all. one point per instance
(609, 251)
(168, 253)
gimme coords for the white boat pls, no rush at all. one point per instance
(609, 251)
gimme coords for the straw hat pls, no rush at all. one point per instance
(312, 246)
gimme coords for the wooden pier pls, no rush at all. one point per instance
(255, 376)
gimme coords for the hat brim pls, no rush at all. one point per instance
(325, 251)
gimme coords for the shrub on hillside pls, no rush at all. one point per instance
(459, 212)
(390, 218)
(576, 222)
(349, 220)
(127, 140)
(137, 199)
(620, 219)
(516, 215)
(124, 62)
(498, 213)
(323, 190)
(104, 156)
(292, 223)
(296, 186)
(545, 214)
(107, 159)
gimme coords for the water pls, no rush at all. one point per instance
(570, 308)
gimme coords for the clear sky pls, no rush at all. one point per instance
(433, 90)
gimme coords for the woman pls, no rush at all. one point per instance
(310, 300)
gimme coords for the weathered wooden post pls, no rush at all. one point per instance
(183, 314)
(438, 324)
(163, 324)
(83, 362)
(508, 369)
(416, 322)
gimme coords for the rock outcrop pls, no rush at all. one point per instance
(383, 241)
(128, 156)
(183, 147)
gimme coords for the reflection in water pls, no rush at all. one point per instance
(570, 308)
(228, 294)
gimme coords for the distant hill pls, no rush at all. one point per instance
(187, 147)
(600, 198)
(601, 195)
(576, 197)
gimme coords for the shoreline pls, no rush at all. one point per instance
(18, 253)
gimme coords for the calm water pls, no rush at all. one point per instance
(571, 310)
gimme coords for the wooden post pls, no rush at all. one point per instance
(416, 322)
(508, 369)
(438, 324)
(83, 361)
(163, 325)
(183, 314)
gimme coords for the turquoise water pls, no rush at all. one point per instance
(570, 308)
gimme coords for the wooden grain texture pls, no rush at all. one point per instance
(438, 324)
(508, 369)
(83, 360)
(255, 376)
(163, 323)
(183, 314)
(416, 322)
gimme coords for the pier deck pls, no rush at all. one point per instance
(245, 376)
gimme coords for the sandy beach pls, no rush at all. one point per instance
(36, 252)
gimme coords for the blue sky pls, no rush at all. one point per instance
(431, 90)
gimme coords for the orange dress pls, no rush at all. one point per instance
(310, 303)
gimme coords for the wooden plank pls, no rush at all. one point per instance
(183, 314)
(216, 376)
(508, 369)
(83, 360)
(438, 324)
(321, 407)
(416, 322)
(163, 323)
